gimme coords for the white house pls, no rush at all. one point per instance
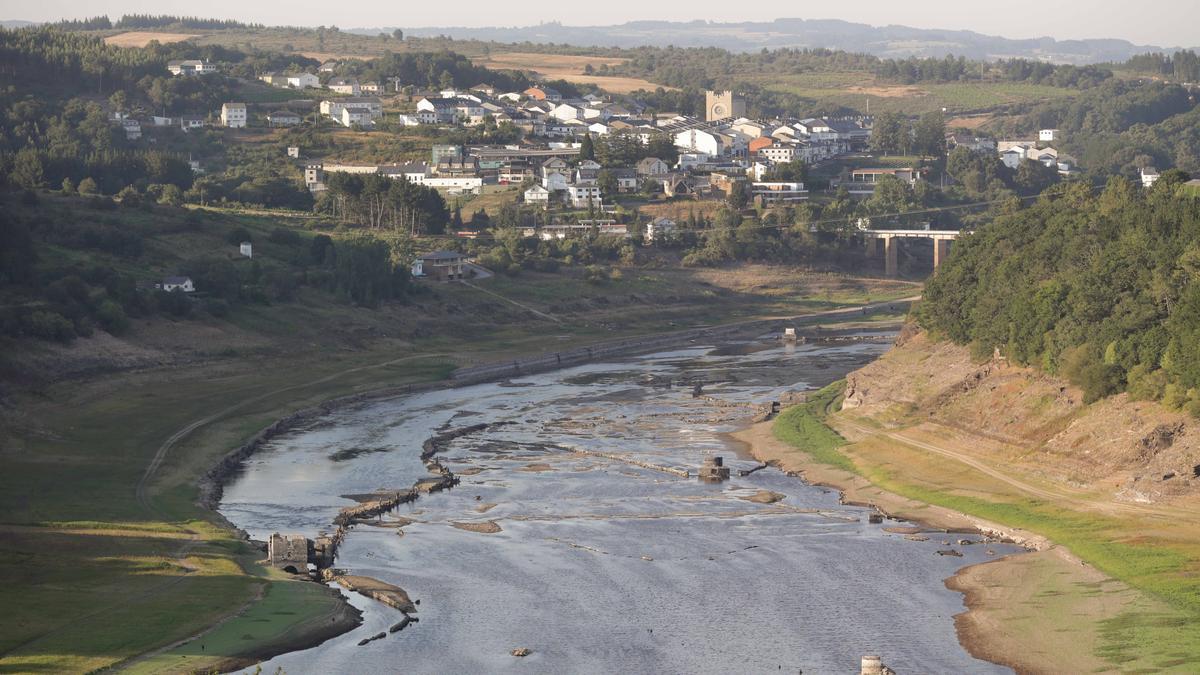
(582, 196)
(328, 67)
(537, 195)
(133, 129)
(283, 118)
(189, 122)
(455, 184)
(233, 115)
(355, 116)
(1149, 176)
(779, 192)
(246, 249)
(566, 111)
(191, 67)
(700, 140)
(438, 110)
(172, 284)
(652, 166)
(303, 81)
(1048, 135)
(554, 174)
(413, 172)
(659, 229)
(778, 153)
(1013, 156)
(293, 151)
(345, 85)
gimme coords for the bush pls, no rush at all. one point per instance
(87, 186)
(285, 236)
(50, 326)
(317, 249)
(102, 204)
(112, 318)
(596, 274)
(237, 235)
(1099, 380)
(175, 303)
(129, 197)
(216, 307)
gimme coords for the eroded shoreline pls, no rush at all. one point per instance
(984, 586)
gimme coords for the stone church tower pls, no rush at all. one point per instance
(719, 105)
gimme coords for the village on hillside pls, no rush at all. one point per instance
(724, 155)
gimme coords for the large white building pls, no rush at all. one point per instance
(191, 67)
(303, 81)
(233, 115)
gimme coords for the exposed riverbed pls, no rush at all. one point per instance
(598, 564)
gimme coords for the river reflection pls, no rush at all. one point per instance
(571, 535)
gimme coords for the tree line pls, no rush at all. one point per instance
(1103, 289)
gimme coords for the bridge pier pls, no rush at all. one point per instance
(891, 256)
(941, 248)
(872, 248)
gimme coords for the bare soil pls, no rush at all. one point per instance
(138, 38)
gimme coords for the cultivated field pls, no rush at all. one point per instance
(860, 90)
(138, 38)
(567, 67)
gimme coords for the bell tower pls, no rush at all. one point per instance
(719, 105)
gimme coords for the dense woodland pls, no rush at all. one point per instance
(1101, 287)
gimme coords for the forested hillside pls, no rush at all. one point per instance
(1103, 289)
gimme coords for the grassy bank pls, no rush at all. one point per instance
(803, 426)
(1155, 629)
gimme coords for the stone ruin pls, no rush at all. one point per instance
(289, 551)
(873, 665)
(714, 470)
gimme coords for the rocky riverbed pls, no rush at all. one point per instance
(575, 534)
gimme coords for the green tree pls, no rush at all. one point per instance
(739, 195)
(929, 134)
(587, 149)
(28, 171)
(87, 186)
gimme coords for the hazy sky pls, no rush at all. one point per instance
(1161, 22)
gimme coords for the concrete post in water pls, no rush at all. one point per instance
(891, 254)
(873, 665)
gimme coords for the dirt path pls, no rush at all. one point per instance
(1061, 494)
(510, 301)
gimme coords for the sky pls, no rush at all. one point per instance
(1164, 23)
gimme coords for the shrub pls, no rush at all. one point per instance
(50, 326)
(129, 197)
(87, 186)
(285, 236)
(216, 307)
(237, 235)
(112, 318)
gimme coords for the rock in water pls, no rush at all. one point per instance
(522, 651)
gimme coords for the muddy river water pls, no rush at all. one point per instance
(600, 565)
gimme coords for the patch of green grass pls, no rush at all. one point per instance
(803, 427)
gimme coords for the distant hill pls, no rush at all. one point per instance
(15, 23)
(883, 41)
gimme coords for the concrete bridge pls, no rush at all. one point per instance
(941, 245)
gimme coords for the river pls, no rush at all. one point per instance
(601, 565)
